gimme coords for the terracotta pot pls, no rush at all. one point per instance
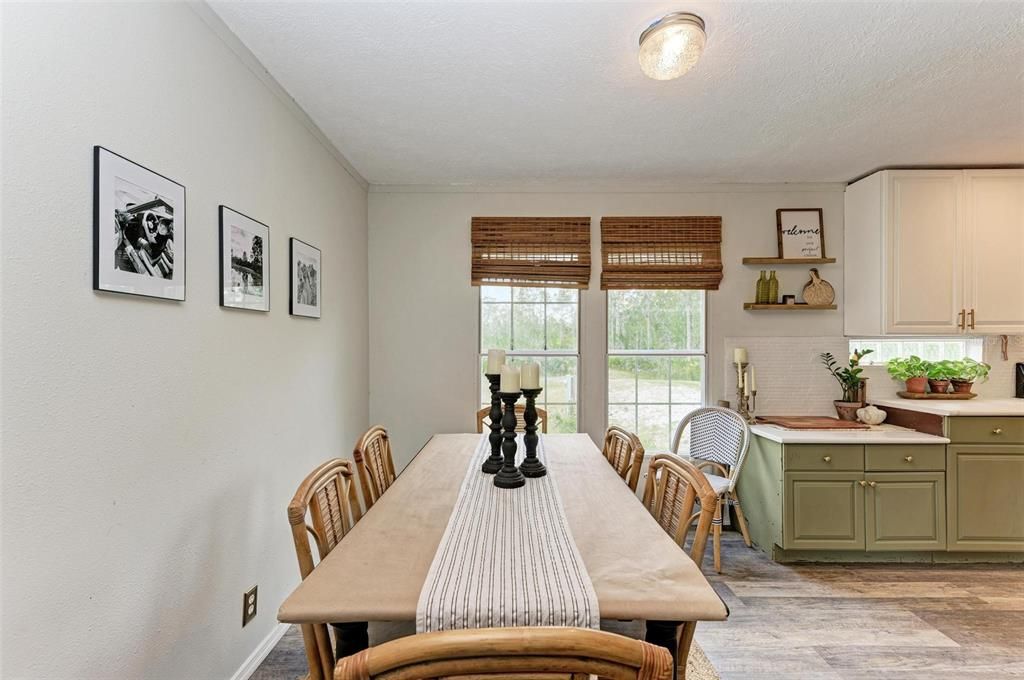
(847, 410)
(918, 385)
(962, 386)
(939, 386)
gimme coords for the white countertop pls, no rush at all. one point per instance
(878, 434)
(950, 407)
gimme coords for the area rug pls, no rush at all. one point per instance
(287, 661)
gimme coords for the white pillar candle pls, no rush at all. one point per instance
(739, 355)
(531, 375)
(495, 360)
(753, 380)
(746, 387)
(509, 379)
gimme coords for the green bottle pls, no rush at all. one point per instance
(761, 296)
(773, 289)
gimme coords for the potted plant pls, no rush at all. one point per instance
(849, 380)
(966, 372)
(939, 375)
(913, 371)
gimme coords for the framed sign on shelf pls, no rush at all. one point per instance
(801, 233)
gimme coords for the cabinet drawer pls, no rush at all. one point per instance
(986, 430)
(824, 457)
(904, 458)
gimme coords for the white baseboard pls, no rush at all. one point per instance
(261, 652)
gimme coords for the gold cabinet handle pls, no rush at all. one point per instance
(971, 315)
(863, 483)
(960, 320)
(872, 484)
(909, 459)
(998, 430)
(827, 459)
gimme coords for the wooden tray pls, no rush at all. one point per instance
(811, 423)
(932, 395)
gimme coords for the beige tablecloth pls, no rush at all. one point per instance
(377, 571)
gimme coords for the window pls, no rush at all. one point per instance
(656, 360)
(536, 324)
(931, 349)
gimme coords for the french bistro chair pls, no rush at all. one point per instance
(484, 416)
(719, 439)
(325, 506)
(673, 487)
(526, 653)
(374, 464)
(625, 453)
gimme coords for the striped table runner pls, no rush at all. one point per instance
(507, 558)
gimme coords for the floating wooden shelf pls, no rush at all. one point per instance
(784, 308)
(789, 260)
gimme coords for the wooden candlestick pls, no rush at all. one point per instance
(493, 463)
(509, 476)
(531, 467)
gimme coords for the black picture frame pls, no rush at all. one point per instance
(223, 238)
(112, 279)
(297, 307)
(783, 237)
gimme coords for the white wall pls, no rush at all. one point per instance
(150, 447)
(423, 311)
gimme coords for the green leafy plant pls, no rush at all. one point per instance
(969, 370)
(942, 370)
(910, 367)
(848, 376)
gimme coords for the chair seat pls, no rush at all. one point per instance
(719, 484)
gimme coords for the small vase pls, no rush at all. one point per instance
(918, 385)
(962, 386)
(773, 289)
(938, 386)
(847, 410)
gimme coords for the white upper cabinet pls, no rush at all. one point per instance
(935, 252)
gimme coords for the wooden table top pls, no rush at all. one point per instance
(377, 571)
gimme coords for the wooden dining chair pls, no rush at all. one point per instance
(527, 653)
(719, 439)
(483, 417)
(326, 507)
(625, 453)
(374, 464)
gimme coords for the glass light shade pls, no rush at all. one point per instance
(672, 45)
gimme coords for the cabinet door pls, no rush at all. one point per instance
(985, 487)
(994, 249)
(905, 511)
(823, 510)
(924, 269)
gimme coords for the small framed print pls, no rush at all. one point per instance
(305, 282)
(244, 262)
(801, 233)
(138, 229)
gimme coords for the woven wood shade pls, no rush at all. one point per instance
(552, 252)
(661, 252)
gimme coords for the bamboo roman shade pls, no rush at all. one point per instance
(552, 252)
(661, 252)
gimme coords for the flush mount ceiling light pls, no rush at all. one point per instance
(672, 45)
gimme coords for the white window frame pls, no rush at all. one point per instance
(655, 353)
(973, 347)
(545, 353)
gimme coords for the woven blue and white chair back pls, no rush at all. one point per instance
(718, 435)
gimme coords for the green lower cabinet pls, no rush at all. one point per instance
(823, 511)
(985, 484)
(905, 511)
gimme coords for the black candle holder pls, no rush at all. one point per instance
(531, 467)
(509, 476)
(493, 463)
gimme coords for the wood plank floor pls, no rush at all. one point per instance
(837, 621)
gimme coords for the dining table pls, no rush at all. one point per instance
(377, 571)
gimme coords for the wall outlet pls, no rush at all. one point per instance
(249, 601)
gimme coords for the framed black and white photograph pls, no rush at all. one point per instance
(244, 262)
(801, 232)
(138, 229)
(305, 280)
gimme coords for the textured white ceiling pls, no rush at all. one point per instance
(502, 92)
